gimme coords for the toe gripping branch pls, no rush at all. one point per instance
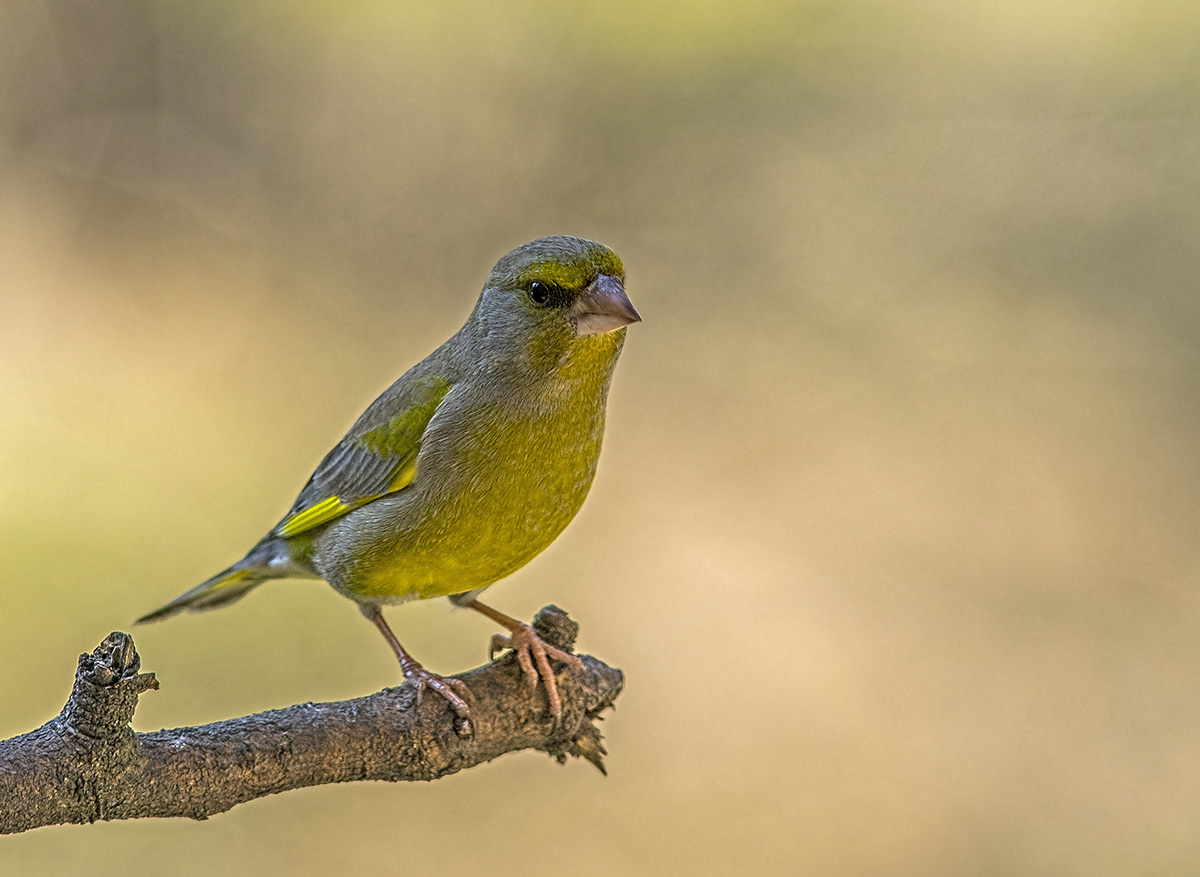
(601, 686)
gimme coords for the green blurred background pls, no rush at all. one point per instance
(895, 531)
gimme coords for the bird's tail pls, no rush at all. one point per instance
(224, 587)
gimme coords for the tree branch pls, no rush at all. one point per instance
(88, 763)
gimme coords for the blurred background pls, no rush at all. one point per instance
(895, 531)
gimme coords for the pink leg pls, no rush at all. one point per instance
(449, 688)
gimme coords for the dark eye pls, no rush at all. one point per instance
(539, 293)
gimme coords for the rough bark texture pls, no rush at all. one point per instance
(88, 763)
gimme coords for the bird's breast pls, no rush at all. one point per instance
(498, 478)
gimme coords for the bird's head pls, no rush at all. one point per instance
(553, 296)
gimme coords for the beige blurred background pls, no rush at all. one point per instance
(895, 532)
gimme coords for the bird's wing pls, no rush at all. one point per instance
(377, 457)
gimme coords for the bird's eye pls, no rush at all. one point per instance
(539, 293)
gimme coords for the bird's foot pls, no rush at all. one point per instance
(454, 691)
(534, 654)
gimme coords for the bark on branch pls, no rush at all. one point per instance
(88, 763)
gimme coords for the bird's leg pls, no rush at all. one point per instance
(449, 688)
(531, 650)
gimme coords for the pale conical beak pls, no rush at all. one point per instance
(604, 306)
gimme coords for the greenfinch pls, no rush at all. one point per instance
(467, 466)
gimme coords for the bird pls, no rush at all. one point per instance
(466, 467)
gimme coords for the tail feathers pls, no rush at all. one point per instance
(225, 587)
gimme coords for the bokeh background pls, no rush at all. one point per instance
(895, 532)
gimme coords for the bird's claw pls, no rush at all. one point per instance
(534, 654)
(454, 691)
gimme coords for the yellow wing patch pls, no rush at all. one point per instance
(405, 473)
(314, 516)
(334, 507)
(365, 467)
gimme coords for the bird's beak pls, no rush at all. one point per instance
(604, 306)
